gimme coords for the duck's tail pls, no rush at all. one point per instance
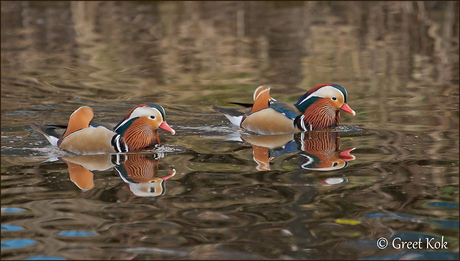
(51, 132)
(235, 116)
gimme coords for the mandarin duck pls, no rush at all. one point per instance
(137, 131)
(317, 109)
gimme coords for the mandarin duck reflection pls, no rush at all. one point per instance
(139, 171)
(317, 109)
(320, 148)
(140, 174)
(264, 145)
(137, 131)
(322, 151)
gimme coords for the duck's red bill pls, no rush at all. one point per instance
(165, 126)
(346, 156)
(347, 108)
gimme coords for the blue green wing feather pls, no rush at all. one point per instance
(285, 108)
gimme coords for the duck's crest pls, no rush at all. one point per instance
(304, 101)
(131, 112)
(121, 127)
(151, 105)
(307, 99)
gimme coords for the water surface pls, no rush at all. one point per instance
(211, 191)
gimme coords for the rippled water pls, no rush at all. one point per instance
(212, 191)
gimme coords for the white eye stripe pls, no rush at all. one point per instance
(324, 92)
(139, 113)
(144, 112)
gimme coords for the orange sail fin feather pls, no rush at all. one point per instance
(261, 99)
(78, 120)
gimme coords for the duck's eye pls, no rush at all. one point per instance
(152, 117)
(334, 99)
(335, 164)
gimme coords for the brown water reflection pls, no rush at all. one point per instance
(138, 171)
(397, 60)
(321, 150)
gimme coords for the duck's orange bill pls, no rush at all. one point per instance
(165, 126)
(347, 108)
(346, 156)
